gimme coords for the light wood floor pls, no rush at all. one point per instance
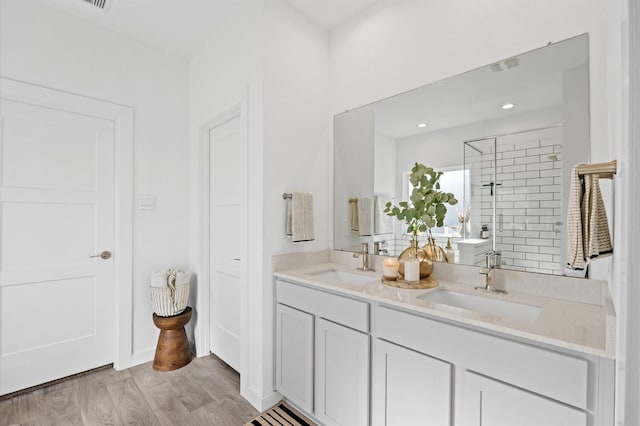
(205, 392)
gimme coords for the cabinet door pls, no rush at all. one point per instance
(410, 388)
(489, 402)
(342, 380)
(294, 356)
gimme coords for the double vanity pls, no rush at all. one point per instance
(351, 350)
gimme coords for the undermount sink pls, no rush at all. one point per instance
(343, 277)
(495, 307)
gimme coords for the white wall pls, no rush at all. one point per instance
(623, 67)
(281, 60)
(47, 47)
(225, 73)
(297, 154)
(631, 121)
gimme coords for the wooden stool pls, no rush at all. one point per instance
(172, 351)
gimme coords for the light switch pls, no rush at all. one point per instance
(146, 202)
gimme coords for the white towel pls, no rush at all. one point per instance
(587, 227)
(158, 279)
(382, 222)
(353, 215)
(299, 217)
(182, 278)
(365, 216)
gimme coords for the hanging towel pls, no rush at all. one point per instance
(365, 216)
(587, 228)
(382, 222)
(575, 247)
(597, 239)
(299, 218)
(353, 215)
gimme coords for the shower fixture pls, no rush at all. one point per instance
(554, 156)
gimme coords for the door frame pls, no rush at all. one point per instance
(202, 328)
(123, 118)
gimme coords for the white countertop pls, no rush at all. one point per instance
(585, 324)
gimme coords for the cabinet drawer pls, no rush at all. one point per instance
(553, 374)
(340, 309)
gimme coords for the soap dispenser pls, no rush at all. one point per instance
(448, 251)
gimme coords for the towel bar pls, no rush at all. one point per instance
(286, 195)
(604, 170)
(353, 200)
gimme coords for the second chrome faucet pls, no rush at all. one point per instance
(492, 262)
(364, 253)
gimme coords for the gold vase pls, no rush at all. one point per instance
(434, 252)
(426, 265)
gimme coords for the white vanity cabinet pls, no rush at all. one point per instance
(410, 388)
(342, 373)
(497, 381)
(322, 354)
(294, 348)
(372, 355)
(490, 402)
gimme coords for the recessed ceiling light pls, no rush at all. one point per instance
(421, 125)
(507, 106)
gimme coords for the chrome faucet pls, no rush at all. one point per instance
(365, 258)
(492, 262)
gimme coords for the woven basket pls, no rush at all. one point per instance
(168, 302)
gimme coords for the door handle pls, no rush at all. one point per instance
(104, 255)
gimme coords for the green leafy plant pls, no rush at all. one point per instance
(426, 208)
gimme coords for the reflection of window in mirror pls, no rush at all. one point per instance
(453, 180)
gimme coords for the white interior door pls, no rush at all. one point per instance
(225, 245)
(56, 211)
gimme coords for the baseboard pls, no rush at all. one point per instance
(261, 403)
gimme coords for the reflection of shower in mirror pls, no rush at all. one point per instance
(554, 156)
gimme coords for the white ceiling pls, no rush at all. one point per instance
(330, 13)
(183, 26)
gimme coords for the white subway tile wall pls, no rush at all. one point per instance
(529, 193)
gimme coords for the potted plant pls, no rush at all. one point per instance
(426, 207)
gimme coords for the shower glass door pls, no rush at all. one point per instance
(516, 186)
(479, 160)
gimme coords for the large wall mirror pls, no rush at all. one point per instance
(506, 136)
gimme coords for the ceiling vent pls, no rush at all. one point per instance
(504, 65)
(511, 62)
(100, 4)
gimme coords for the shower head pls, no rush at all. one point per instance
(556, 152)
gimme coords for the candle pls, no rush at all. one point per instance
(390, 268)
(412, 271)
